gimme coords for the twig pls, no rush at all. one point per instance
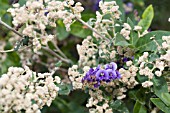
(45, 48)
(6, 51)
(58, 50)
(10, 28)
(56, 55)
(84, 23)
(87, 25)
(12, 50)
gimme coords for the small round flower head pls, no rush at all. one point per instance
(102, 75)
(97, 76)
(112, 66)
(112, 74)
(118, 74)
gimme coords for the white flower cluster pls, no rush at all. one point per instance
(128, 76)
(87, 52)
(37, 15)
(166, 46)
(126, 31)
(95, 99)
(109, 7)
(2, 55)
(143, 69)
(75, 77)
(22, 89)
(102, 24)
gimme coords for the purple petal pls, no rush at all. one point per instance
(118, 75)
(97, 85)
(112, 66)
(102, 75)
(112, 74)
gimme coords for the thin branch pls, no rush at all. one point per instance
(84, 23)
(45, 48)
(12, 50)
(87, 25)
(58, 50)
(10, 28)
(7, 51)
(56, 55)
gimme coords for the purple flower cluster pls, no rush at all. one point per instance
(98, 75)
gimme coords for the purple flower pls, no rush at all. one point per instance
(125, 59)
(97, 76)
(46, 13)
(112, 74)
(102, 75)
(118, 75)
(129, 4)
(97, 84)
(128, 8)
(96, 5)
(112, 66)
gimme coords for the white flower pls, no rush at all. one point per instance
(129, 63)
(105, 105)
(165, 45)
(57, 79)
(147, 84)
(145, 54)
(121, 97)
(137, 28)
(127, 26)
(158, 73)
(14, 93)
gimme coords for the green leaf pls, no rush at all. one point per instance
(133, 35)
(119, 106)
(141, 95)
(153, 57)
(12, 59)
(141, 78)
(64, 89)
(58, 64)
(147, 17)
(61, 31)
(138, 95)
(166, 98)
(160, 87)
(130, 22)
(146, 44)
(61, 105)
(139, 108)
(133, 38)
(160, 105)
(79, 30)
(120, 40)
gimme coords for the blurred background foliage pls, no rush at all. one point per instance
(75, 102)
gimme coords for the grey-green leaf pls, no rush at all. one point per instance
(139, 108)
(120, 40)
(119, 106)
(146, 44)
(147, 18)
(160, 105)
(161, 89)
(165, 97)
(58, 64)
